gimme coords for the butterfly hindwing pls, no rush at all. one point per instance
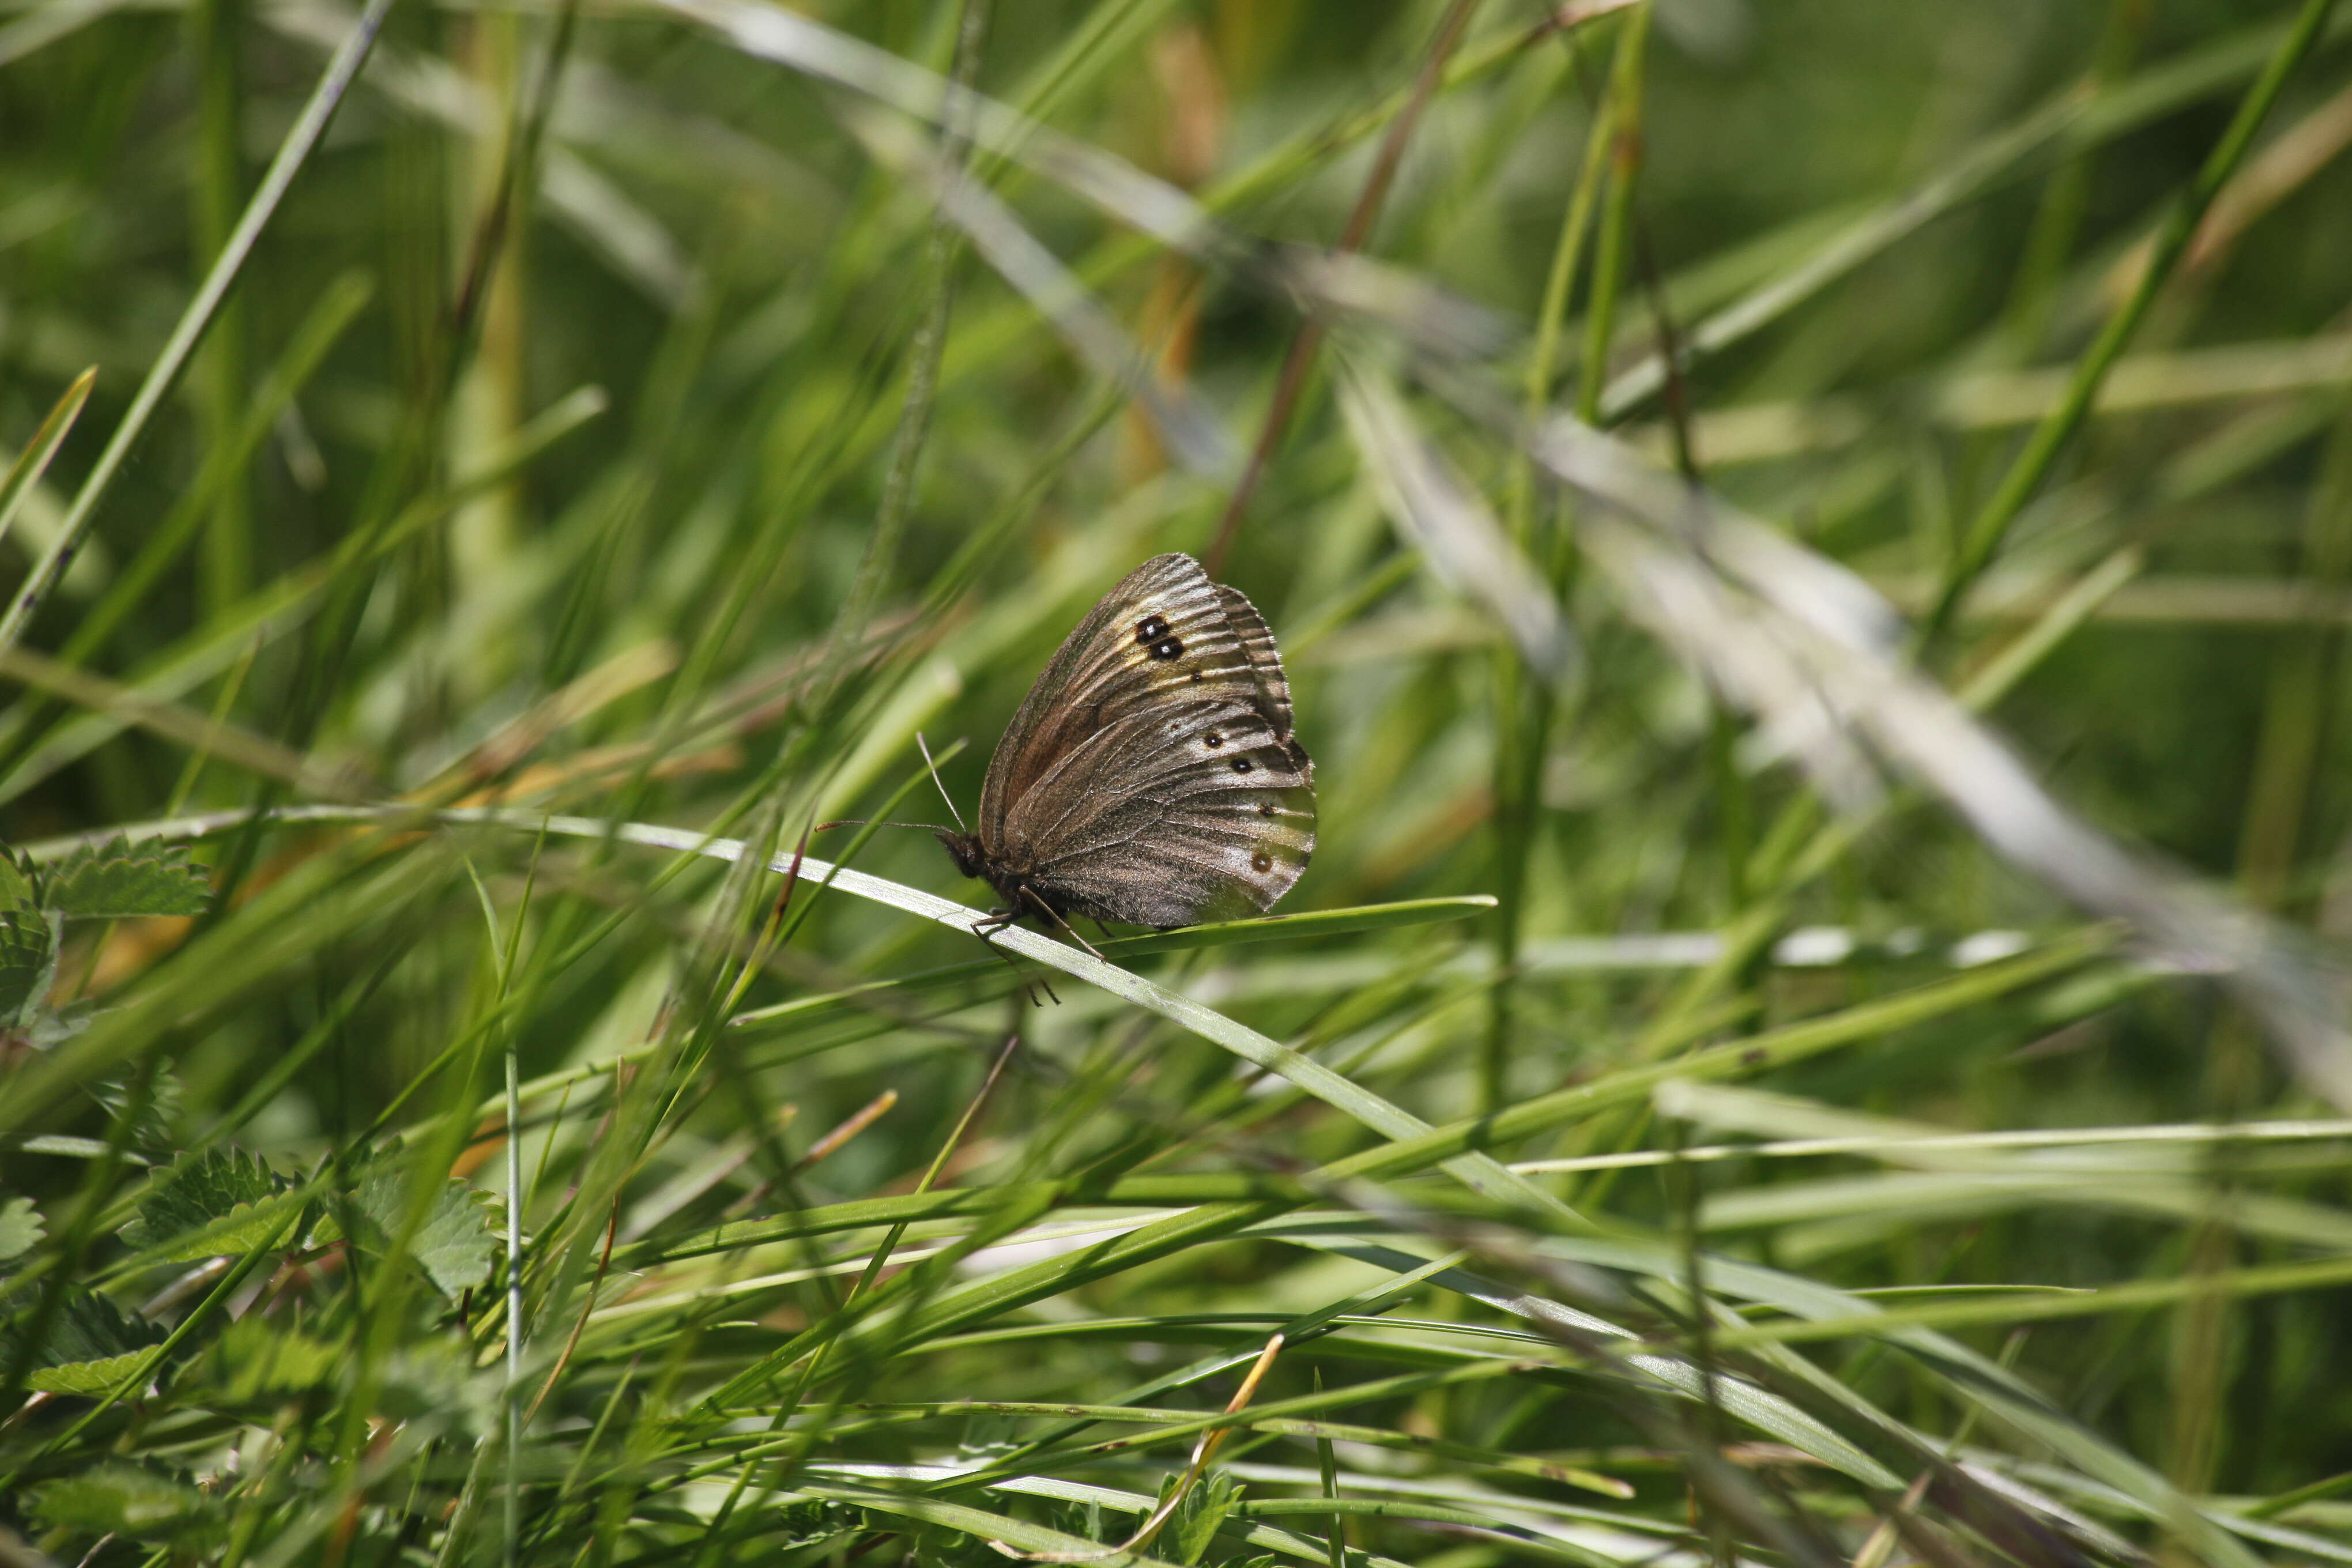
(1265, 665)
(1151, 775)
(1169, 818)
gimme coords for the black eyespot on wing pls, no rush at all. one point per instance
(1262, 862)
(1242, 764)
(1196, 675)
(1150, 629)
(1212, 739)
(1266, 809)
(1168, 647)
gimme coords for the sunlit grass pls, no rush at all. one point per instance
(1747, 1074)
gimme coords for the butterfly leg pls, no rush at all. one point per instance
(1056, 915)
(996, 921)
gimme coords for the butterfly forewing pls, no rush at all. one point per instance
(1161, 633)
(1151, 775)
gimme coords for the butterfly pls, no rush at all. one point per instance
(1150, 776)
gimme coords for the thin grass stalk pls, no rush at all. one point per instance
(942, 248)
(377, 1323)
(1290, 382)
(1685, 1192)
(790, 1456)
(1289, 160)
(210, 496)
(302, 140)
(1524, 708)
(515, 1324)
(224, 704)
(2301, 693)
(1986, 531)
(1612, 251)
(1801, 847)
(33, 460)
(2297, 699)
(221, 372)
(2058, 216)
(1327, 1461)
(446, 346)
(488, 397)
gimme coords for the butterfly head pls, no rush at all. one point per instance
(1012, 881)
(964, 848)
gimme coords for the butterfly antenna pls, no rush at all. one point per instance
(868, 822)
(925, 747)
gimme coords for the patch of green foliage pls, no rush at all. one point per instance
(1810, 543)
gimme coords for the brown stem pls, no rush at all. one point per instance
(1293, 380)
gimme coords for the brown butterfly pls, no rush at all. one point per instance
(1150, 776)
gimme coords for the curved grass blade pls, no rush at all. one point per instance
(1480, 1172)
(1298, 927)
(292, 153)
(33, 460)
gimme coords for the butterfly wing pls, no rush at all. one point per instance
(1107, 668)
(1151, 775)
(1265, 666)
(1169, 818)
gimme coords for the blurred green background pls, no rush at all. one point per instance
(599, 426)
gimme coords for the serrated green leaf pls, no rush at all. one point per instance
(130, 1504)
(25, 951)
(94, 1377)
(1194, 1524)
(116, 879)
(216, 1204)
(89, 1329)
(158, 1114)
(20, 879)
(458, 1242)
(455, 1244)
(48, 1027)
(20, 1228)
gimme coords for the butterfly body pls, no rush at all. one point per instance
(1151, 775)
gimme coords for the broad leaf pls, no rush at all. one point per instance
(130, 1504)
(155, 1119)
(115, 879)
(20, 1228)
(20, 879)
(216, 1203)
(457, 1241)
(455, 1244)
(1196, 1518)
(90, 1344)
(90, 1378)
(25, 953)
